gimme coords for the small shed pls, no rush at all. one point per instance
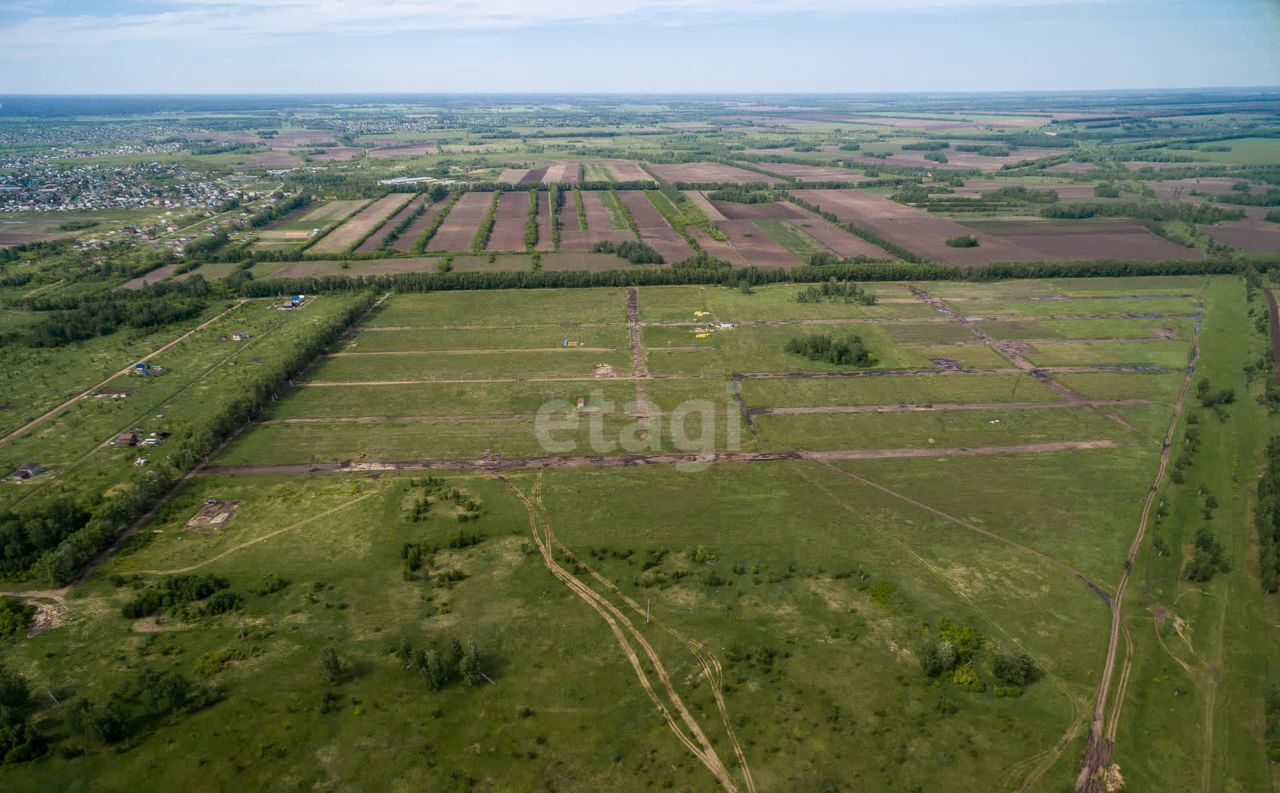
(126, 439)
(28, 470)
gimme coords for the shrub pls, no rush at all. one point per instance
(965, 677)
(15, 616)
(634, 252)
(1014, 668)
(963, 241)
(849, 351)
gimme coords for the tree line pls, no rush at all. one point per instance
(707, 270)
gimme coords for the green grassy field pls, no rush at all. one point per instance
(791, 237)
(780, 603)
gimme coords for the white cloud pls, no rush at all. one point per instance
(221, 23)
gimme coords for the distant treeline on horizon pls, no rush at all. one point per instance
(54, 105)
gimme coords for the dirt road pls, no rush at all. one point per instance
(655, 458)
(1101, 742)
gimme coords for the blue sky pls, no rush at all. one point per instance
(197, 46)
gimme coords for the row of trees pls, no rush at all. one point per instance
(703, 269)
(1267, 518)
(485, 229)
(79, 316)
(1145, 210)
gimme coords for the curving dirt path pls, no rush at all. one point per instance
(672, 708)
(711, 668)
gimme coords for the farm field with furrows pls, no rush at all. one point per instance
(360, 225)
(597, 474)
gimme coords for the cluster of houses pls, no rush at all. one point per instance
(54, 188)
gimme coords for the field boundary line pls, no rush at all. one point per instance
(927, 407)
(491, 464)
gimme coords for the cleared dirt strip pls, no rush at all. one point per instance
(929, 407)
(743, 376)
(36, 422)
(482, 351)
(751, 322)
(656, 458)
(963, 371)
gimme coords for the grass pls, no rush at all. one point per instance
(917, 389)
(619, 217)
(203, 372)
(504, 308)
(816, 587)
(40, 378)
(791, 237)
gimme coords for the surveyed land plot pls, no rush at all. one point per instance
(914, 229)
(471, 365)
(509, 222)
(710, 172)
(459, 228)
(360, 225)
(375, 240)
(504, 309)
(419, 339)
(654, 229)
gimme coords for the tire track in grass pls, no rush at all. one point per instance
(256, 540)
(1101, 745)
(695, 740)
(711, 668)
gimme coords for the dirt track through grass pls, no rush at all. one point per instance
(1102, 735)
(695, 740)
(656, 458)
(256, 540)
(942, 406)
